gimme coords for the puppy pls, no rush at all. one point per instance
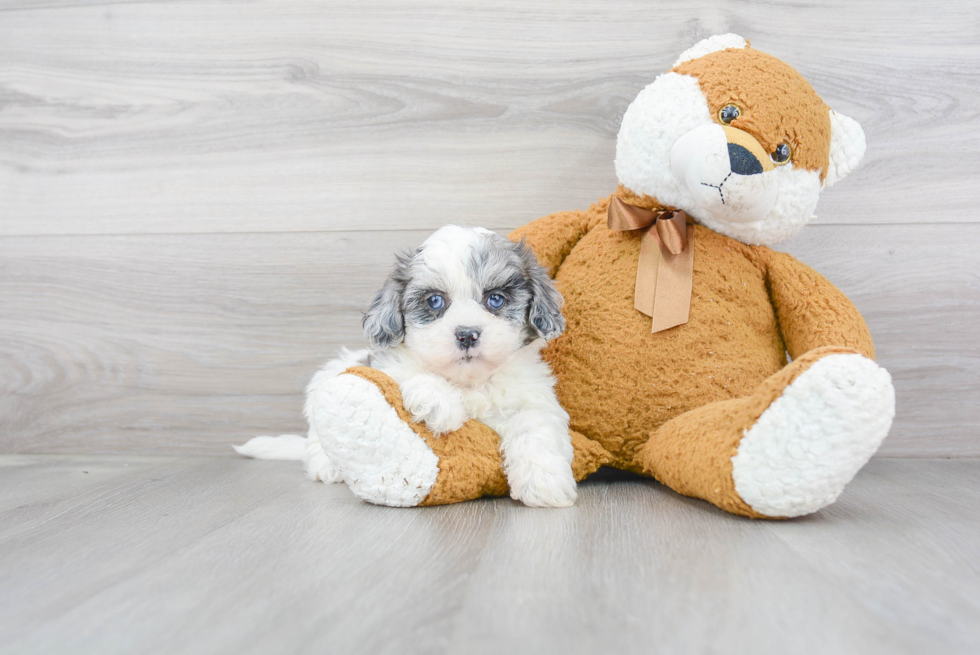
(459, 324)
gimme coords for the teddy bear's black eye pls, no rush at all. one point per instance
(728, 113)
(781, 154)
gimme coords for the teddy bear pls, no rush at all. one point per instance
(693, 353)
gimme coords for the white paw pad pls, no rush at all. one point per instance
(548, 483)
(380, 458)
(435, 402)
(815, 437)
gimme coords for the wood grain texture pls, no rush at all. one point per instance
(204, 555)
(197, 200)
(176, 117)
(123, 342)
(918, 288)
(186, 343)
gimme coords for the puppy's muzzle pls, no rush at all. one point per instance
(467, 337)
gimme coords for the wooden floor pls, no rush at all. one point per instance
(198, 200)
(204, 555)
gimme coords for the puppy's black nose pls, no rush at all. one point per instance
(466, 337)
(743, 162)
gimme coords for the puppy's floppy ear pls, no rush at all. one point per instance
(384, 323)
(544, 312)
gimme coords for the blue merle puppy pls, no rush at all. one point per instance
(459, 324)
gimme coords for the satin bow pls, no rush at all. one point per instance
(665, 269)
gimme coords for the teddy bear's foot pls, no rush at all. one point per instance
(379, 456)
(789, 448)
(814, 437)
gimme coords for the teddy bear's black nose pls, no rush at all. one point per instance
(742, 161)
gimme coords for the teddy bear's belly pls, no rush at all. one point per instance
(618, 381)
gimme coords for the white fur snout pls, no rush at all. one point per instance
(436, 344)
(700, 161)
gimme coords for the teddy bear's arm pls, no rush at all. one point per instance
(553, 237)
(812, 312)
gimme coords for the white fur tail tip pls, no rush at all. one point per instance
(286, 446)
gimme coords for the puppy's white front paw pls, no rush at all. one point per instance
(435, 401)
(537, 486)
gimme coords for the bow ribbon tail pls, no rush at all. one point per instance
(647, 272)
(672, 280)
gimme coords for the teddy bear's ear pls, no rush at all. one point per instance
(712, 44)
(847, 146)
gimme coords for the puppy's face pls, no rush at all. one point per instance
(464, 302)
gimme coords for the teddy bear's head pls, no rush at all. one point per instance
(737, 139)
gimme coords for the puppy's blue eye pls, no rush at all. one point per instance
(495, 301)
(435, 302)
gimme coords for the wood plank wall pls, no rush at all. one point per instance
(198, 199)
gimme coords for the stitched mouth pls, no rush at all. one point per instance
(721, 193)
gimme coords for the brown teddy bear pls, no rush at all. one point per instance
(679, 318)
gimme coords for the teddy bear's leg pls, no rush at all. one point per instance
(387, 459)
(787, 450)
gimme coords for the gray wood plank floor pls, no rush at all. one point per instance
(203, 555)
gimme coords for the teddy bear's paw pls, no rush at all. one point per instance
(377, 454)
(540, 486)
(436, 402)
(813, 439)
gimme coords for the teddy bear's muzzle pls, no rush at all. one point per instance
(726, 172)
